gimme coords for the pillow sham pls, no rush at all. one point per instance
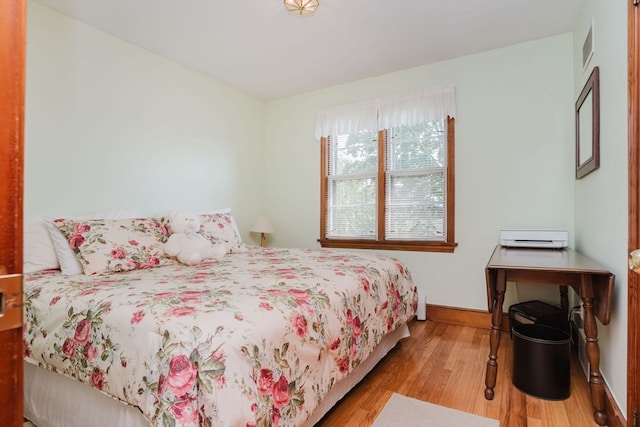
(68, 262)
(234, 225)
(220, 229)
(218, 226)
(115, 245)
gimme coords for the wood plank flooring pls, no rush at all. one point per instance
(445, 364)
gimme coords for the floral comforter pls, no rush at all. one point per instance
(254, 339)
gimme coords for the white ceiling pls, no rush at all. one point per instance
(256, 46)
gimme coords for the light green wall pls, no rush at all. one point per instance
(513, 158)
(514, 164)
(601, 205)
(109, 125)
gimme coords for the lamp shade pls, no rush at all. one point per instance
(262, 225)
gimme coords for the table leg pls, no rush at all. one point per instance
(593, 351)
(494, 336)
(564, 300)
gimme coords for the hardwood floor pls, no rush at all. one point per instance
(445, 364)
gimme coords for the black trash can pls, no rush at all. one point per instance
(538, 312)
(541, 361)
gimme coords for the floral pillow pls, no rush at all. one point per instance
(219, 228)
(114, 245)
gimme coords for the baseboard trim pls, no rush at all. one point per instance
(482, 319)
(464, 316)
(616, 416)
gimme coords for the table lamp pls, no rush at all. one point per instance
(262, 226)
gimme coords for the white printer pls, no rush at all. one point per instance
(528, 238)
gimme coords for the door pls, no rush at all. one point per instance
(633, 344)
(12, 77)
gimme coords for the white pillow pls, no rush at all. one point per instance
(38, 251)
(69, 263)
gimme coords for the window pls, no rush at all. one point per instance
(390, 189)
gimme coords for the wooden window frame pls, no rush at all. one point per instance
(448, 245)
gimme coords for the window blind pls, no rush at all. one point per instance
(415, 184)
(353, 185)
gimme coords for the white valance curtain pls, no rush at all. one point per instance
(408, 109)
(350, 118)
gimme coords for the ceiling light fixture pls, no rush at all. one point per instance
(301, 7)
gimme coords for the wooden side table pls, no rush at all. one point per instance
(560, 267)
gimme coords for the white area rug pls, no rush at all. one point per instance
(402, 411)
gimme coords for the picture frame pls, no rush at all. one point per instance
(588, 126)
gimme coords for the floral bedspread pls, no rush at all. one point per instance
(254, 339)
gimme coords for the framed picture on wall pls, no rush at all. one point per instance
(588, 126)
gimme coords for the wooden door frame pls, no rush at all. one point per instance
(633, 305)
(12, 87)
(12, 93)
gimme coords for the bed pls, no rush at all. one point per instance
(261, 337)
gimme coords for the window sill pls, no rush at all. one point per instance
(420, 246)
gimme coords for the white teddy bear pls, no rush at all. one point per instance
(186, 244)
